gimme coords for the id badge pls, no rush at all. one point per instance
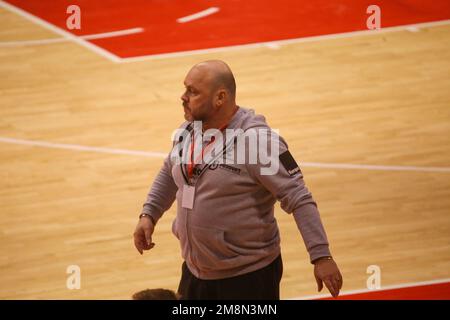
(188, 197)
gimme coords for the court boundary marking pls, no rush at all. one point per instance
(150, 154)
(103, 35)
(278, 43)
(269, 44)
(198, 15)
(65, 34)
(383, 288)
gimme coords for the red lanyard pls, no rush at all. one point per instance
(191, 165)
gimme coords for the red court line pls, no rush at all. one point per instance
(238, 21)
(438, 291)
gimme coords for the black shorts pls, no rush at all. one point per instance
(262, 284)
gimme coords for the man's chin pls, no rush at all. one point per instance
(188, 117)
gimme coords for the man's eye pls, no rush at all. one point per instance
(190, 91)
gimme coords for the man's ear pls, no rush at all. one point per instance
(221, 96)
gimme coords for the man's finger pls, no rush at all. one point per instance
(148, 237)
(330, 287)
(335, 283)
(319, 284)
(138, 241)
(148, 246)
(137, 244)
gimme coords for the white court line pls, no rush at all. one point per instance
(46, 144)
(277, 43)
(373, 167)
(198, 15)
(32, 42)
(65, 34)
(58, 40)
(399, 286)
(148, 154)
(111, 34)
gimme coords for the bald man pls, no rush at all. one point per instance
(225, 220)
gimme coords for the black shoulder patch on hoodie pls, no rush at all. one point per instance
(289, 163)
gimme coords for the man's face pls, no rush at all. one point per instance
(197, 98)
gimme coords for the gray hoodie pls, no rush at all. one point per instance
(231, 228)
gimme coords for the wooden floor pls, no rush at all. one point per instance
(380, 99)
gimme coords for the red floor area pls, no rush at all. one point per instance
(237, 22)
(439, 291)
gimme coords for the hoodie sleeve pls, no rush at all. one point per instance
(284, 179)
(162, 193)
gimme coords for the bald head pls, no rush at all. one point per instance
(219, 75)
(210, 94)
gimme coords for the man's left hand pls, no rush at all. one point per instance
(326, 271)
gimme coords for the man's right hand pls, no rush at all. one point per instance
(143, 234)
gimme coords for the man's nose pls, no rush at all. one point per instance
(184, 97)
